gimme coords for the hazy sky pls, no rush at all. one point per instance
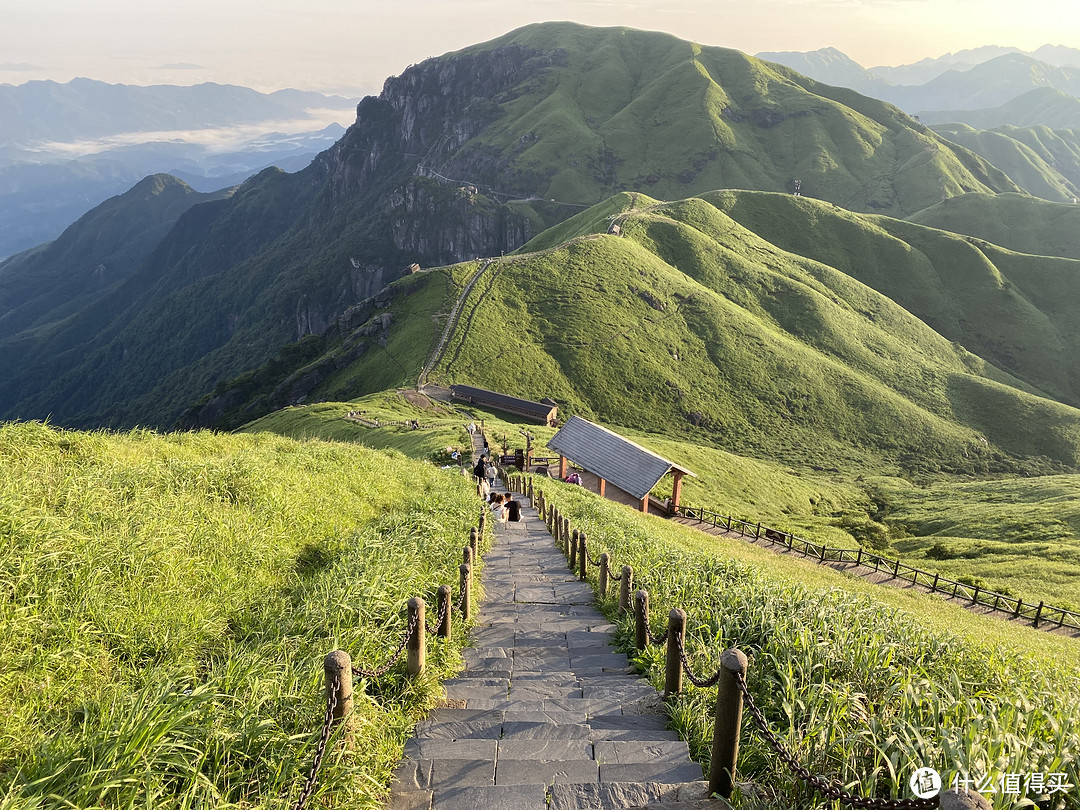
(352, 45)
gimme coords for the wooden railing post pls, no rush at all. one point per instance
(729, 703)
(465, 586)
(474, 542)
(443, 608)
(337, 668)
(1038, 615)
(583, 558)
(416, 646)
(676, 637)
(573, 549)
(641, 612)
(605, 563)
(483, 520)
(625, 584)
(565, 533)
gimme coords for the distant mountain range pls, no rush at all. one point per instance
(64, 148)
(465, 155)
(984, 78)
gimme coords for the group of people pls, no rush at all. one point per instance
(503, 507)
(486, 472)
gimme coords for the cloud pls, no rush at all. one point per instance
(18, 66)
(181, 66)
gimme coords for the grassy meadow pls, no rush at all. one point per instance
(864, 684)
(167, 601)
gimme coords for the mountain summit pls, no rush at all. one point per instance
(464, 155)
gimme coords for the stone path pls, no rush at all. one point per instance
(547, 715)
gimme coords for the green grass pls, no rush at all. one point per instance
(863, 683)
(327, 421)
(168, 600)
(1011, 221)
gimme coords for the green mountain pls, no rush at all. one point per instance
(751, 322)
(1013, 221)
(96, 253)
(1043, 162)
(1043, 106)
(464, 155)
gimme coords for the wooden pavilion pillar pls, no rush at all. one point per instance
(603, 486)
(562, 467)
(645, 505)
(676, 489)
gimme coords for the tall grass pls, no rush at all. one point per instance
(168, 600)
(859, 689)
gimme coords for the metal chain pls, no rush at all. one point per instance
(320, 748)
(826, 787)
(702, 683)
(461, 601)
(438, 619)
(375, 673)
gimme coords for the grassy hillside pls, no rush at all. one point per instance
(1010, 309)
(864, 684)
(599, 121)
(168, 601)
(1036, 173)
(690, 324)
(1010, 220)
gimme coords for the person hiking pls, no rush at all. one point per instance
(512, 509)
(478, 469)
(492, 473)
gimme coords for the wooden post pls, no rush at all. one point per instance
(1019, 604)
(676, 490)
(483, 520)
(416, 646)
(573, 549)
(896, 569)
(603, 487)
(583, 558)
(337, 667)
(676, 637)
(474, 543)
(975, 595)
(605, 562)
(465, 585)
(625, 584)
(562, 467)
(858, 558)
(933, 588)
(565, 534)
(467, 556)
(641, 612)
(443, 608)
(729, 701)
(1038, 615)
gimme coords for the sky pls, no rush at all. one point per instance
(351, 46)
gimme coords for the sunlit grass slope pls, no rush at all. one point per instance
(615, 109)
(167, 602)
(1013, 310)
(691, 325)
(863, 683)
(1013, 221)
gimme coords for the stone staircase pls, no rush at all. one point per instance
(547, 715)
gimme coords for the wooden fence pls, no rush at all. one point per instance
(1041, 614)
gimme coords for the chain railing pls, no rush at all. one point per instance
(320, 747)
(340, 671)
(1041, 615)
(729, 679)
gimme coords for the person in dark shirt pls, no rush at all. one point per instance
(479, 468)
(512, 509)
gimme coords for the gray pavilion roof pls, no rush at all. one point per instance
(619, 461)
